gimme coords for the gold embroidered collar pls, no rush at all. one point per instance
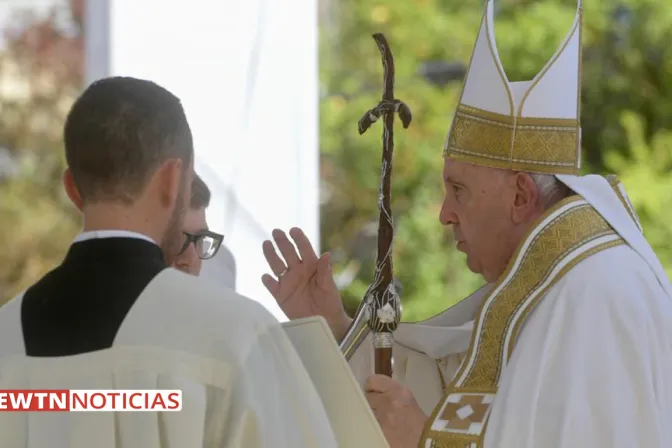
(565, 235)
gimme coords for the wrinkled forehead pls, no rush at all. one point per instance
(467, 173)
(458, 171)
(454, 168)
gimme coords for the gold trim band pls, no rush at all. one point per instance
(544, 145)
(568, 233)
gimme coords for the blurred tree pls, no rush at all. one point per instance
(627, 111)
(41, 69)
(645, 170)
(626, 67)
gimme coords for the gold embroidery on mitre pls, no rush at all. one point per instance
(539, 144)
(517, 142)
(568, 233)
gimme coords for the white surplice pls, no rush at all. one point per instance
(243, 383)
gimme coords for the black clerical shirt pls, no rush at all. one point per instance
(79, 306)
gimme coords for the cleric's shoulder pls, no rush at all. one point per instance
(609, 297)
(180, 311)
(203, 295)
(615, 277)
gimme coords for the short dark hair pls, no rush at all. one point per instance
(200, 194)
(118, 132)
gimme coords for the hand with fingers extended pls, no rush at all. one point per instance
(305, 283)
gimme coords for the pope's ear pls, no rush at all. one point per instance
(526, 198)
(71, 189)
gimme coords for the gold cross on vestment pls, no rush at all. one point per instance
(470, 409)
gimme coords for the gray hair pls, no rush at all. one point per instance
(551, 190)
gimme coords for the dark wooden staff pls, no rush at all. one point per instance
(384, 306)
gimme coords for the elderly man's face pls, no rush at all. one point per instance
(480, 206)
(188, 261)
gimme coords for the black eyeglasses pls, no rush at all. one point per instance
(206, 243)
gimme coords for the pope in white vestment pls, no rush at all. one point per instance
(571, 345)
(591, 366)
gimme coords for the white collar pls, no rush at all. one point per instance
(97, 234)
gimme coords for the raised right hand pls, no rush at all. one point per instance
(305, 283)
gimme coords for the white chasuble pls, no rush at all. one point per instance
(243, 383)
(592, 334)
(573, 345)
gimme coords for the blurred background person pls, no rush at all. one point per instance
(199, 243)
(202, 244)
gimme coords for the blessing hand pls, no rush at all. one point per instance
(396, 410)
(304, 283)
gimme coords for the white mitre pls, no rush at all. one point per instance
(528, 126)
(534, 126)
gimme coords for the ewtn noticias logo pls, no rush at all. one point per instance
(90, 400)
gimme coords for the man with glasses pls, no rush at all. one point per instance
(199, 243)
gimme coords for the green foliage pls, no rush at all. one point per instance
(37, 221)
(626, 116)
(645, 171)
